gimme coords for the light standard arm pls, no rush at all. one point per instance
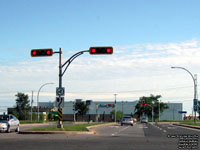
(191, 76)
(194, 81)
(38, 97)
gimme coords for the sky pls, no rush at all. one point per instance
(148, 38)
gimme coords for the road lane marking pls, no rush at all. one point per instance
(164, 131)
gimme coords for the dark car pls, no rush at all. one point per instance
(9, 123)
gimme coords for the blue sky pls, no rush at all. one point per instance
(149, 36)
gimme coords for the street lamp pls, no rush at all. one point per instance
(152, 110)
(115, 107)
(38, 97)
(195, 91)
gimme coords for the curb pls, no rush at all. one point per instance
(189, 126)
(56, 132)
(100, 125)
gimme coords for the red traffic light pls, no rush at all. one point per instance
(41, 52)
(110, 105)
(101, 50)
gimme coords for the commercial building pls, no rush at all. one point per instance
(101, 110)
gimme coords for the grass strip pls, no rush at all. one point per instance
(191, 123)
(77, 127)
(32, 122)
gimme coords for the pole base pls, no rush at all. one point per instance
(60, 125)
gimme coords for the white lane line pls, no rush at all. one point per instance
(123, 129)
(120, 131)
(164, 131)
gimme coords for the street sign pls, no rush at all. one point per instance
(195, 107)
(182, 112)
(60, 91)
(59, 102)
(195, 102)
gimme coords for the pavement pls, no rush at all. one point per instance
(113, 136)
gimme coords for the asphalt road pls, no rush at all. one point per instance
(111, 137)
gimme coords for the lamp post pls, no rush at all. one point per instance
(152, 110)
(158, 110)
(38, 98)
(195, 91)
(115, 107)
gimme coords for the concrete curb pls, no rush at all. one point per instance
(100, 125)
(56, 132)
(189, 126)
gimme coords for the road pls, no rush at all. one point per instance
(110, 137)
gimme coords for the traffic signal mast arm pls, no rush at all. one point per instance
(68, 62)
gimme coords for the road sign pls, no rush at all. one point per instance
(60, 91)
(195, 107)
(59, 102)
(195, 102)
(182, 112)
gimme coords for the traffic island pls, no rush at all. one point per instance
(68, 129)
(188, 126)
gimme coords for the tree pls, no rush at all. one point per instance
(81, 108)
(119, 114)
(150, 101)
(22, 106)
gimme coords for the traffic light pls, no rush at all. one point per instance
(41, 52)
(110, 105)
(101, 50)
(143, 105)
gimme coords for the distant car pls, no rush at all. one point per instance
(127, 120)
(144, 120)
(9, 123)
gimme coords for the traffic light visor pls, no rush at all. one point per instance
(101, 50)
(41, 52)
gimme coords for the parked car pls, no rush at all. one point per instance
(144, 120)
(9, 123)
(128, 120)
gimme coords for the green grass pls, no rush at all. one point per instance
(77, 127)
(191, 123)
(180, 121)
(34, 121)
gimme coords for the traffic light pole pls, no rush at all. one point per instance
(68, 62)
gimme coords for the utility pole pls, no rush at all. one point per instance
(159, 110)
(32, 107)
(115, 107)
(74, 111)
(196, 99)
(97, 107)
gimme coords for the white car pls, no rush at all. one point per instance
(127, 120)
(9, 123)
(144, 120)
